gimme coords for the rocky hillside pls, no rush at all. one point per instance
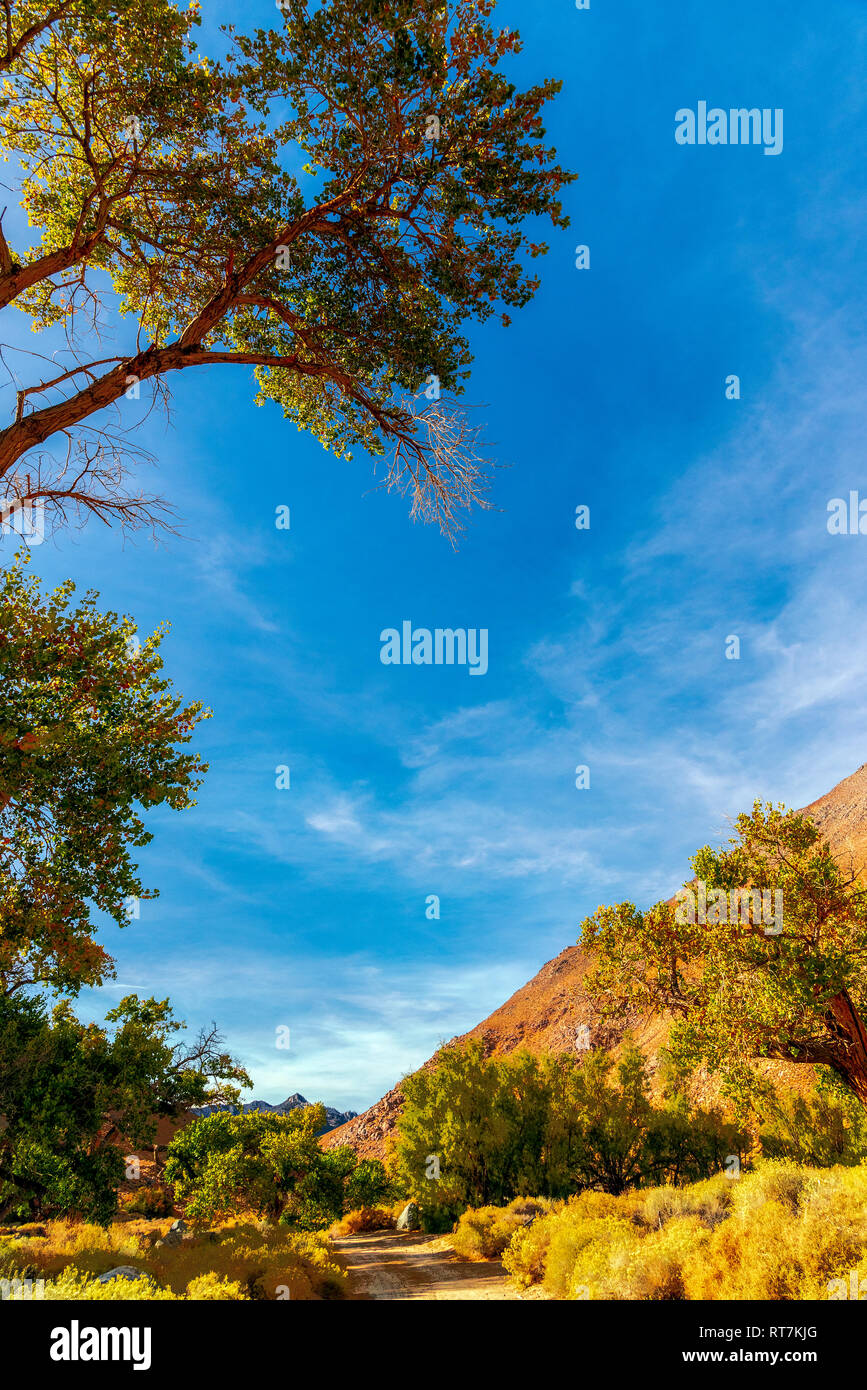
(545, 1015)
(841, 815)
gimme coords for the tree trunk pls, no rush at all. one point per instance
(849, 1028)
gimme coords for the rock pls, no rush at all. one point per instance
(175, 1234)
(408, 1219)
(122, 1272)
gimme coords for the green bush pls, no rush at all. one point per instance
(271, 1166)
(554, 1125)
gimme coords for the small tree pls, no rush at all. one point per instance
(737, 987)
(367, 1185)
(328, 206)
(90, 731)
(70, 1091)
(272, 1165)
(450, 1132)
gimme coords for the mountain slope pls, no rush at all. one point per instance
(545, 1014)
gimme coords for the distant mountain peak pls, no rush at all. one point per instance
(291, 1102)
(333, 1117)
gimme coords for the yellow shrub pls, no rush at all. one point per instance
(710, 1201)
(211, 1287)
(365, 1219)
(524, 1256)
(75, 1285)
(586, 1255)
(656, 1270)
(483, 1233)
(777, 1181)
(264, 1262)
(781, 1232)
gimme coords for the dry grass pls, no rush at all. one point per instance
(782, 1232)
(240, 1259)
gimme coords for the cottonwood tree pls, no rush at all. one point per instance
(736, 992)
(71, 1092)
(91, 734)
(327, 205)
(274, 1165)
(551, 1125)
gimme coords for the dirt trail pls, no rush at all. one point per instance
(386, 1264)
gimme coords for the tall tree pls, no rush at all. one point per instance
(328, 205)
(738, 985)
(90, 734)
(70, 1091)
(226, 1164)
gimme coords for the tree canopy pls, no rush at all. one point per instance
(91, 733)
(327, 204)
(271, 1164)
(70, 1092)
(476, 1130)
(736, 990)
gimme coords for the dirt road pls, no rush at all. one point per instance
(387, 1264)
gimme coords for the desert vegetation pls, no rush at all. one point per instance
(589, 1174)
(239, 1260)
(92, 734)
(780, 1232)
(477, 1131)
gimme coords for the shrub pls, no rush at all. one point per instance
(580, 1251)
(825, 1128)
(781, 1232)
(710, 1201)
(779, 1181)
(484, 1233)
(148, 1201)
(75, 1285)
(264, 1261)
(211, 1287)
(524, 1256)
(365, 1219)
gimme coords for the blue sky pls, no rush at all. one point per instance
(306, 908)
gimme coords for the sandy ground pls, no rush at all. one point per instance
(386, 1264)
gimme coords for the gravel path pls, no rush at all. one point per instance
(389, 1265)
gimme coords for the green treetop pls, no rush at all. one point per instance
(329, 205)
